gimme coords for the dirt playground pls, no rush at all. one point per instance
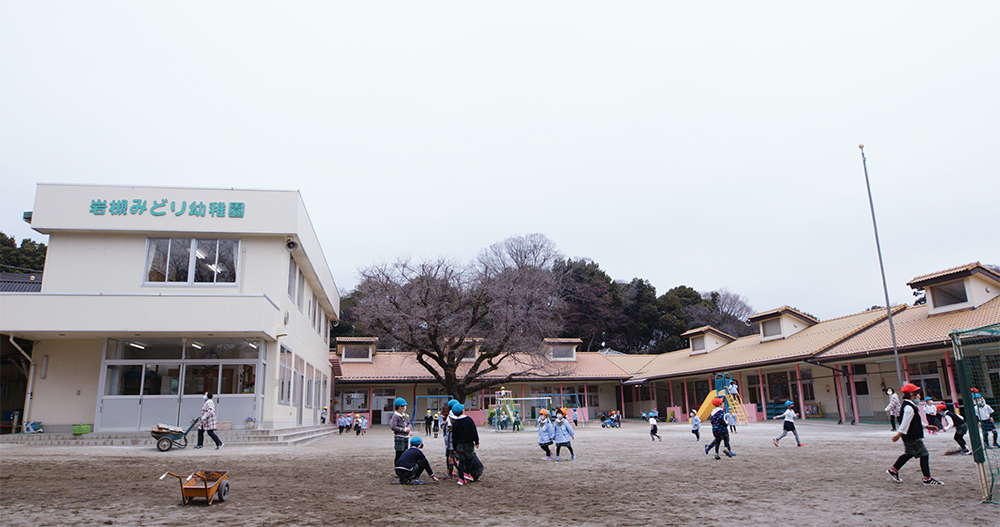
(620, 477)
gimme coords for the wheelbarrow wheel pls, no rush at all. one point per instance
(223, 493)
(164, 444)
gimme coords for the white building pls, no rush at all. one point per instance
(152, 296)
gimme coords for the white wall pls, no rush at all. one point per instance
(68, 393)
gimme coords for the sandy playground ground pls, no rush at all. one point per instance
(620, 477)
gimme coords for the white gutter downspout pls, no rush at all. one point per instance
(31, 378)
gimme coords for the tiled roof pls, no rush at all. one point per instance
(780, 311)
(706, 329)
(562, 341)
(914, 329)
(633, 364)
(963, 270)
(750, 351)
(20, 283)
(403, 367)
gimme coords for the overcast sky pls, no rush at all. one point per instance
(707, 144)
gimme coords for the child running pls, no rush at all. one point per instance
(958, 423)
(719, 430)
(789, 425)
(695, 425)
(545, 433)
(911, 429)
(563, 434)
(653, 436)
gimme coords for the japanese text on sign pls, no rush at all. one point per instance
(137, 207)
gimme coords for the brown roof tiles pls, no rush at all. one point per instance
(914, 329)
(749, 351)
(954, 272)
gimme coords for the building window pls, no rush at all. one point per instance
(298, 380)
(301, 291)
(191, 261)
(949, 294)
(563, 353)
(772, 327)
(293, 271)
(285, 376)
(593, 395)
(310, 378)
(353, 400)
(312, 311)
(697, 343)
(354, 353)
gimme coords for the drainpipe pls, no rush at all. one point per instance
(31, 380)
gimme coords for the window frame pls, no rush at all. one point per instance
(772, 323)
(285, 376)
(192, 267)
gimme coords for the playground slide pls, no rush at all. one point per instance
(509, 408)
(706, 407)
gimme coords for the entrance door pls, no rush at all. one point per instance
(864, 398)
(160, 396)
(382, 409)
(122, 397)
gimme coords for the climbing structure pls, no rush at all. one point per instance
(723, 382)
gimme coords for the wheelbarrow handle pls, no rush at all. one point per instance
(165, 474)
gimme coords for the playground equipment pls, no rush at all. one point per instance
(509, 410)
(731, 400)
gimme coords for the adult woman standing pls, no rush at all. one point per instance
(893, 408)
(208, 422)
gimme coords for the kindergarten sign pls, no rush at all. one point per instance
(138, 207)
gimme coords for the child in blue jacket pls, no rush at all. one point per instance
(545, 433)
(563, 435)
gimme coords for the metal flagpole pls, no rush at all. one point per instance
(885, 288)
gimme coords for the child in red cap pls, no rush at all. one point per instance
(719, 429)
(911, 429)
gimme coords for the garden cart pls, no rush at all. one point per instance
(209, 484)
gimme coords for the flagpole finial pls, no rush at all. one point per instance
(861, 147)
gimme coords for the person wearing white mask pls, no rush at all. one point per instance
(208, 422)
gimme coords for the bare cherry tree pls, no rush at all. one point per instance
(471, 326)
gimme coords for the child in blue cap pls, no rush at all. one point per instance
(465, 441)
(400, 425)
(930, 410)
(789, 425)
(413, 463)
(451, 460)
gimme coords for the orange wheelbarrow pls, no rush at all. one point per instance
(209, 484)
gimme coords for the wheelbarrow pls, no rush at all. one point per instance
(168, 437)
(209, 484)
